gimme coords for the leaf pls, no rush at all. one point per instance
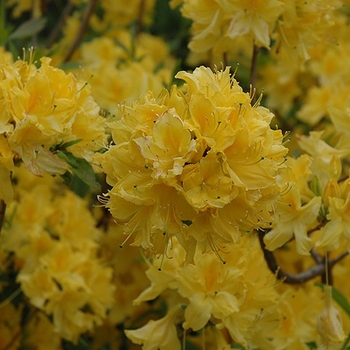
(65, 145)
(81, 168)
(85, 173)
(341, 300)
(28, 28)
(68, 157)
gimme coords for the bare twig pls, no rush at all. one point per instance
(58, 27)
(2, 213)
(253, 71)
(140, 17)
(82, 29)
(317, 270)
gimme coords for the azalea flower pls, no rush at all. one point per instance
(43, 108)
(297, 210)
(56, 241)
(185, 158)
(237, 296)
(160, 334)
(338, 225)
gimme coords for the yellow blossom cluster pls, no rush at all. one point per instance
(237, 242)
(52, 240)
(42, 109)
(110, 64)
(230, 26)
(199, 165)
(239, 296)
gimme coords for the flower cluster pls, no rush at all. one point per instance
(235, 243)
(239, 296)
(295, 27)
(53, 242)
(110, 64)
(41, 110)
(199, 165)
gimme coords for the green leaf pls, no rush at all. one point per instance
(341, 300)
(68, 157)
(81, 168)
(85, 172)
(65, 145)
(28, 28)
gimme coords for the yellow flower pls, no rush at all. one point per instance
(326, 161)
(6, 166)
(160, 334)
(219, 24)
(169, 147)
(297, 310)
(338, 225)
(56, 240)
(303, 25)
(110, 69)
(257, 18)
(296, 211)
(237, 296)
(43, 108)
(185, 158)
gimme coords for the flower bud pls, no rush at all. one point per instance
(316, 186)
(330, 190)
(329, 322)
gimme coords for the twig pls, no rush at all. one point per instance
(82, 29)
(2, 213)
(58, 27)
(140, 17)
(317, 270)
(253, 71)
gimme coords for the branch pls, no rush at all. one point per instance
(140, 17)
(59, 25)
(2, 213)
(317, 270)
(253, 71)
(82, 29)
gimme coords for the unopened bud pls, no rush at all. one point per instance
(316, 186)
(335, 166)
(329, 322)
(330, 190)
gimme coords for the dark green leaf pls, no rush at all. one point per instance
(28, 28)
(81, 168)
(68, 157)
(85, 172)
(65, 145)
(341, 300)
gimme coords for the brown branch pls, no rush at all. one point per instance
(82, 29)
(2, 213)
(140, 17)
(317, 270)
(58, 27)
(253, 71)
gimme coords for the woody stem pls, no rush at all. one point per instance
(297, 278)
(2, 213)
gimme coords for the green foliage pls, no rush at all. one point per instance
(81, 168)
(28, 28)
